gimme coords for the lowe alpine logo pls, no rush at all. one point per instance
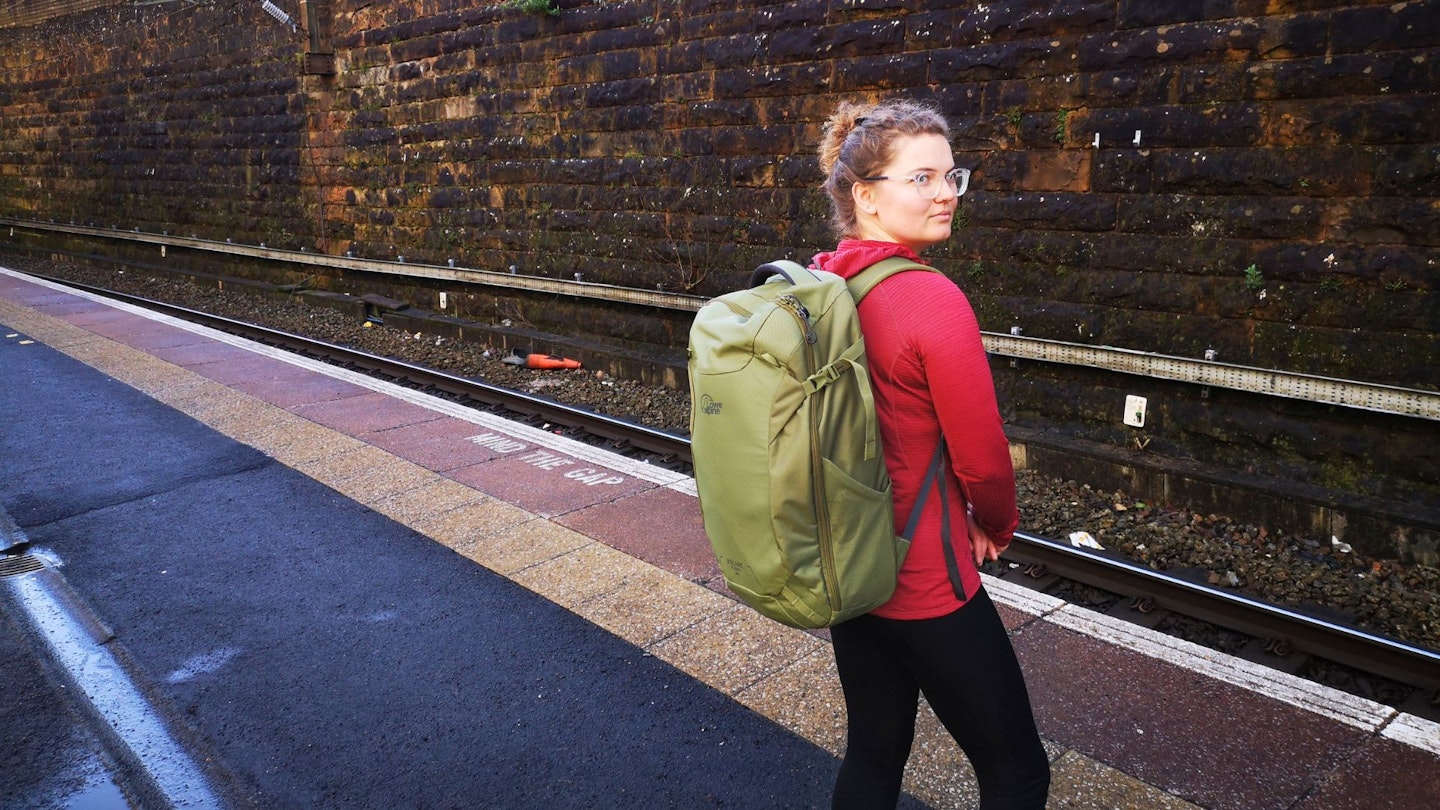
(710, 406)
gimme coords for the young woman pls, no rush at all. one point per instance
(893, 188)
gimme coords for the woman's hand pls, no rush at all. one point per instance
(980, 542)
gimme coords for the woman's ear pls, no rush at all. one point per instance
(864, 195)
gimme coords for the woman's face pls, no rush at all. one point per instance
(893, 210)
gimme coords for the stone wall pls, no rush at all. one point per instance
(1280, 205)
(1257, 178)
(173, 117)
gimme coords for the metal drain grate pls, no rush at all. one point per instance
(22, 564)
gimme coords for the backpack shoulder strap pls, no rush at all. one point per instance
(866, 280)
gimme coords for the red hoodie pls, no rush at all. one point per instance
(930, 374)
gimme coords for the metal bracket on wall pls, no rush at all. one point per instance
(320, 64)
(320, 59)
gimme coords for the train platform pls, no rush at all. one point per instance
(327, 590)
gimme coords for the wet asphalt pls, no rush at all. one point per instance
(309, 652)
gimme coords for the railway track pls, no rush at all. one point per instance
(1286, 635)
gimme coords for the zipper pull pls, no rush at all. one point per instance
(798, 309)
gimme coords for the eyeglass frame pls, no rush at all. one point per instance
(959, 184)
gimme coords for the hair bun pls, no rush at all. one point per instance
(848, 117)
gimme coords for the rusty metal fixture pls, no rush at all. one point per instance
(1279, 647)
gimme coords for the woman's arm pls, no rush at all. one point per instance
(958, 373)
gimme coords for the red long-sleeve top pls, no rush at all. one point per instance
(930, 375)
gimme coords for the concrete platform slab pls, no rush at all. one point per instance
(588, 572)
(297, 388)
(242, 368)
(1080, 783)
(60, 305)
(99, 320)
(567, 531)
(650, 605)
(154, 336)
(502, 537)
(735, 648)
(1381, 775)
(805, 697)
(440, 445)
(435, 496)
(660, 526)
(388, 478)
(348, 460)
(548, 483)
(1194, 736)
(366, 413)
(195, 355)
(164, 336)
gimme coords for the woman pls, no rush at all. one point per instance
(893, 188)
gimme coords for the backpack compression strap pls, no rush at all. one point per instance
(933, 476)
(834, 370)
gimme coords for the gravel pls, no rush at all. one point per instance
(1313, 574)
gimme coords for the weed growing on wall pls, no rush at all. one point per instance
(1254, 279)
(1061, 118)
(546, 7)
(691, 259)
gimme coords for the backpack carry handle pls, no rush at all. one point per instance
(782, 267)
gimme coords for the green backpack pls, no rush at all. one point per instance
(792, 482)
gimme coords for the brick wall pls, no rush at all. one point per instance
(1281, 204)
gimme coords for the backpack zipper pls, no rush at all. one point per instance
(792, 305)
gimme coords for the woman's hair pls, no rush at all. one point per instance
(859, 140)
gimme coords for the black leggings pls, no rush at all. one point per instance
(967, 669)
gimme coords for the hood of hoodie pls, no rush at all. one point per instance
(853, 255)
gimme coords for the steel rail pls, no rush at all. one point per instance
(620, 433)
(1390, 658)
(1357, 394)
(1397, 660)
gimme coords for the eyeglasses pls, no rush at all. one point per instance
(924, 182)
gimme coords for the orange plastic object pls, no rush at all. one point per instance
(550, 361)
